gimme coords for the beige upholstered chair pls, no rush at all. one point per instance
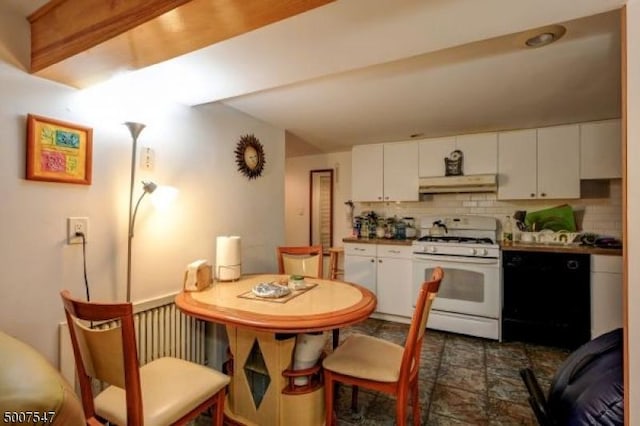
(162, 392)
(30, 384)
(302, 260)
(380, 365)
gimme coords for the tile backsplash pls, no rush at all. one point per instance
(599, 210)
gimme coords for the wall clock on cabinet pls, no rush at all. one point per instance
(250, 156)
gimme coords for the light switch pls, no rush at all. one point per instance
(147, 158)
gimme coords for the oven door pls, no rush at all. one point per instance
(471, 286)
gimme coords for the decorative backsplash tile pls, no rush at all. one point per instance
(599, 210)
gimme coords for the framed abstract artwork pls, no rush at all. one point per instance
(58, 151)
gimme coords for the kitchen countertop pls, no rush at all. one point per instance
(406, 242)
(560, 248)
(549, 248)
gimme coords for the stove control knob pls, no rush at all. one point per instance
(473, 251)
(482, 252)
(432, 249)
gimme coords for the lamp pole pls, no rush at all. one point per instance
(135, 129)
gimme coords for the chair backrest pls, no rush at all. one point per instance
(413, 345)
(302, 260)
(109, 355)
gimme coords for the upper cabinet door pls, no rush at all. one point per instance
(401, 171)
(480, 153)
(366, 172)
(600, 150)
(517, 171)
(559, 162)
(432, 154)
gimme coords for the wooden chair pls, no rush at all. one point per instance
(300, 260)
(380, 365)
(334, 262)
(162, 392)
(307, 261)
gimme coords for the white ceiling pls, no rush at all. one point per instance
(365, 71)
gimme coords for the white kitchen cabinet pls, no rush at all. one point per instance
(480, 153)
(385, 172)
(432, 153)
(360, 265)
(539, 163)
(479, 150)
(606, 294)
(384, 269)
(394, 276)
(600, 150)
(366, 172)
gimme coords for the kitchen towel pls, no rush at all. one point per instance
(228, 258)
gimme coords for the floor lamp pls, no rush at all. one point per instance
(147, 187)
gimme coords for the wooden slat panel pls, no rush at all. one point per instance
(81, 42)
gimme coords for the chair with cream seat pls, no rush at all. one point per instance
(162, 392)
(300, 260)
(306, 261)
(380, 365)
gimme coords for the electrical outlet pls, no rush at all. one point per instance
(77, 224)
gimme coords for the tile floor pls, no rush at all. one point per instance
(463, 380)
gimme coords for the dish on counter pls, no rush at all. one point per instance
(270, 290)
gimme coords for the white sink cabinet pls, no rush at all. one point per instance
(394, 275)
(384, 269)
(539, 163)
(385, 172)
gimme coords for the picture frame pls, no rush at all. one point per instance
(58, 151)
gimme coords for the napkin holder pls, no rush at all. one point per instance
(198, 276)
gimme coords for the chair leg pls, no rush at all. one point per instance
(415, 405)
(401, 411)
(336, 337)
(329, 387)
(218, 418)
(354, 399)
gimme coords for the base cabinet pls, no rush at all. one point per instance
(385, 270)
(606, 294)
(394, 276)
(360, 265)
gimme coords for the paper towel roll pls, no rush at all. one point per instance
(228, 258)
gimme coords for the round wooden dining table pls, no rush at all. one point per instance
(262, 341)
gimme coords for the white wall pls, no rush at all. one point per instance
(297, 195)
(194, 152)
(633, 211)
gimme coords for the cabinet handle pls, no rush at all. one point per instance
(379, 198)
(386, 198)
(358, 249)
(394, 251)
(372, 260)
(543, 194)
(533, 195)
(379, 260)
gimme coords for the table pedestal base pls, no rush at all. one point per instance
(256, 389)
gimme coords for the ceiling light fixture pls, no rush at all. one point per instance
(543, 36)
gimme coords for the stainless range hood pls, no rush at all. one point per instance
(452, 184)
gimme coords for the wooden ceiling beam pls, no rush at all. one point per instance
(82, 42)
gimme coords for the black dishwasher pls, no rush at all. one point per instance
(546, 298)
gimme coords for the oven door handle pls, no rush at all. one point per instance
(457, 259)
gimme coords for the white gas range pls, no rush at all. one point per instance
(469, 300)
